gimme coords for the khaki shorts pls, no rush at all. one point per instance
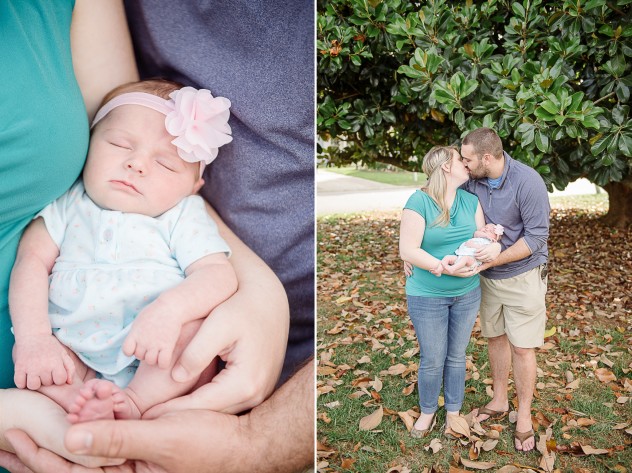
(516, 307)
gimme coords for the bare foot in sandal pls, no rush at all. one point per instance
(524, 437)
(491, 412)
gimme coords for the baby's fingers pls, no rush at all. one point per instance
(19, 378)
(33, 382)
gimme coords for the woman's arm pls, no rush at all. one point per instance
(102, 53)
(411, 234)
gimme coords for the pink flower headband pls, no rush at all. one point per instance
(198, 120)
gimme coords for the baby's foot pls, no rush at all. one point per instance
(94, 402)
(124, 405)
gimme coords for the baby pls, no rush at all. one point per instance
(134, 261)
(464, 254)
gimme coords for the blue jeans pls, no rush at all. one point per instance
(443, 326)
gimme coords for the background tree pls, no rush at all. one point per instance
(397, 77)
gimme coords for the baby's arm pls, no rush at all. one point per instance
(209, 281)
(40, 359)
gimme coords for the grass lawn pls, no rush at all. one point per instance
(395, 178)
(368, 356)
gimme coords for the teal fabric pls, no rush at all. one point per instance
(43, 129)
(441, 241)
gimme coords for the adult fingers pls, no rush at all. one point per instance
(113, 439)
(31, 458)
(212, 339)
(11, 462)
(229, 392)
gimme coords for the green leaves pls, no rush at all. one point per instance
(450, 93)
(395, 77)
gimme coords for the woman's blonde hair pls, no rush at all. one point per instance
(437, 184)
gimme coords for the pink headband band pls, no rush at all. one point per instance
(198, 120)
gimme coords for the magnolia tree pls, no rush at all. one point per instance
(552, 77)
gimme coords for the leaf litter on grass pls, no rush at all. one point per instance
(368, 355)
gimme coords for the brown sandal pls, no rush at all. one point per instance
(491, 413)
(522, 437)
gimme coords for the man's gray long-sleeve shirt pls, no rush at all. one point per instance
(521, 205)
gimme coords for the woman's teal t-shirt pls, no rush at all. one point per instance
(441, 241)
(43, 129)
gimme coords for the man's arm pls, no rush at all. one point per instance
(515, 252)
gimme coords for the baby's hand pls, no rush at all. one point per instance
(153, 336)
(447, 262)
(42, 361)
(438, 271)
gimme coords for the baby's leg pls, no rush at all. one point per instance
(43, 420)
(455, 263)
(152, 385)
(94, 401)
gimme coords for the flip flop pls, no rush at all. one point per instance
(491, 413)
(522, 437)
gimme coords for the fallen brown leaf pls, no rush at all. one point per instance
(588, 450)
(347, 463)
(435, 445)
(408, 390)
(584, 422)
(478, 465)
(409, 421)
(605, 375)
(371, 421)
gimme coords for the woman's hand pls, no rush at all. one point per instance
(465, 272)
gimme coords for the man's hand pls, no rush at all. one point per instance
(277, 436)
(488, 253)
(42, 361)
(198, 441)
(250, 340)
(153, 335)
(408, 269)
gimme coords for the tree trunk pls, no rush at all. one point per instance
(620, 203)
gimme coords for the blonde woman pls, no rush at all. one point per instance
(443, 307)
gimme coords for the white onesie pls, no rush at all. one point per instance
(111, 265)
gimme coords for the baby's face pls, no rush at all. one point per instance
(132, 165)
(488, 231)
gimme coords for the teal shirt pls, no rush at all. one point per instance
(43, 129)
(441, 241)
